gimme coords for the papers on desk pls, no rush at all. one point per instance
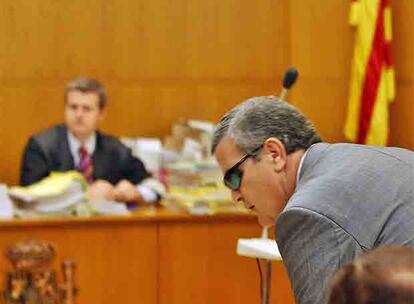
(6, 205)
(147, 149)
(194, 174)
(198, 188)
(57, 194)
(104, 207)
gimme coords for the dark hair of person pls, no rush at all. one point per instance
(87, 85)
(381, 276)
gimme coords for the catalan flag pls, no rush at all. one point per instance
(372, 85)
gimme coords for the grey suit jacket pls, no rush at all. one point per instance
(49, 151)
(349, 199)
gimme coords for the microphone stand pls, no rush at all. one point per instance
(268, 273)
(283, 93)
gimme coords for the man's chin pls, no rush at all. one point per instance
(79, 132)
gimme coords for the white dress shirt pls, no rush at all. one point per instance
(148, 188)
(300, 166)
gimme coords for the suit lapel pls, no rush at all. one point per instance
(100, 158)
(64, 154)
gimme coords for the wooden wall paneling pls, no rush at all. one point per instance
(402, 110)
(323, 102)
(320, 39)
(402, 116)
(214, 100)
(199, 265)
(321, 50)
(154, 258)
(195, 40)
(26, 108)
(280, 288)
(3, 175)
(150, 110)
(249, 39)
(232, 279)
(146, 110)
(235, 279)
(183, 272)
(116, 264)
(83, 38)
(403, 38)
(139, 39)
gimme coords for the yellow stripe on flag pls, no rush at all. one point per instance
(387, 24)
(366, 12)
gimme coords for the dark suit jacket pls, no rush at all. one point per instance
(49, 151)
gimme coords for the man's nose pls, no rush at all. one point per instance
(237, 197)
(79, 112)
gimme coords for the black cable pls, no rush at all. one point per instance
(260, 279)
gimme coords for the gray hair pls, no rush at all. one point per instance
(252, 122)
(87, 85)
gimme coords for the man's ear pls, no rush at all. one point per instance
(275, 149)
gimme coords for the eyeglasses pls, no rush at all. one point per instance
(233, 176)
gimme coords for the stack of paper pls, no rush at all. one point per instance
(198, 188)
(6, 206)
(58, 193)
(193, 174)
(148, 150)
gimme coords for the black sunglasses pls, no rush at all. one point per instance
(233, 176)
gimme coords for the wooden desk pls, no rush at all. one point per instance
(154, 257)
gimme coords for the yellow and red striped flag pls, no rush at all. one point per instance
(372, 85)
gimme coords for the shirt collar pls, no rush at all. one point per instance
(300, 167)
(75, 144)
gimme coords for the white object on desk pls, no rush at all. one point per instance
(149, 151)
(261, 248)
(258, 248)
(102, 206)
(146, 149)
(6, 205)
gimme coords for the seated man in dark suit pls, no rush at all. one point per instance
(109, 167)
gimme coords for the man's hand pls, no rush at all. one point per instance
(127, 192)
(101, 189)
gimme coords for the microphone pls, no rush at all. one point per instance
(288, 81)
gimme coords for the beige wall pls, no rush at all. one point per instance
(162, 60)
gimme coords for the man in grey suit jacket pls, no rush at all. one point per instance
(113, 172)
(329, 202)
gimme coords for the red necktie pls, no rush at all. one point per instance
(85, 165)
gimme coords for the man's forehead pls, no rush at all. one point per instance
(227, 153)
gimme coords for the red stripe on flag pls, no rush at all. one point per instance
(388, 54)
(372, 76)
